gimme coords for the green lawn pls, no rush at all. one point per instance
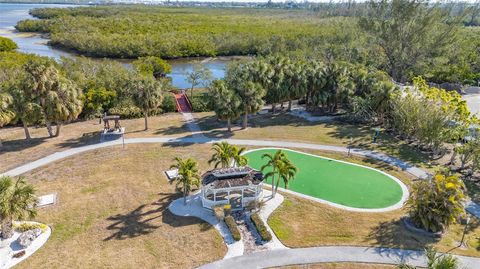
(335, 181)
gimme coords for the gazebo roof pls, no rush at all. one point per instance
(232, 177)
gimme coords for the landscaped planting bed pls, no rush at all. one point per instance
(232, 226)
(261, 228)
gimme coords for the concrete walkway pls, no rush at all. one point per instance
(283, 257)
(192, 125)
(235, 248)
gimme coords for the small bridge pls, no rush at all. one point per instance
(183, 103)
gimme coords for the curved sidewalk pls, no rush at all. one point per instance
(415, 171)
(297, 256)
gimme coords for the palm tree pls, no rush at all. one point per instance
(6, 115)
(296, 80)
(237, 155)
(63, 104)
(227, 103)
(17, 200)
(188, 176)
(282, 168)
(226, 153)
(222, 155)
(147, 95)
(42, 77)
(58, 98)
(251, 94)
(314, 84)
(286, 171)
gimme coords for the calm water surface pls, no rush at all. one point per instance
(10, 14)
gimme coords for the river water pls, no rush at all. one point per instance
(10, 14)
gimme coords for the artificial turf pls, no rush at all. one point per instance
(338, 182)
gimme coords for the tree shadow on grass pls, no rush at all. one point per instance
(85, 140)
(379, 164)
(139, 221)
(392, 234)
(21, 144)
(144, 219)
(362, 136)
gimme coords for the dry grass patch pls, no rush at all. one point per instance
(302, 223)
(290, 128)
(17, 151)
(339, 265)
(112, 212)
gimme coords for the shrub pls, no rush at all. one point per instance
(219, 212)
(435, 204)
(126, 110)
(201, 103)
(232, 226)
(227, 209)
(6, 44)
(168, 104)
(261, 228)
(26, 226)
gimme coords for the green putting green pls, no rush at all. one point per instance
(339, 182)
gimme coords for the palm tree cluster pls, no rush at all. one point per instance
(281, 168)
(17, 201)
(322, 85)
(326, 85)
(41, 93)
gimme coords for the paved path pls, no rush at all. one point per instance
(283, 257)
(234, 248)
(192, 125)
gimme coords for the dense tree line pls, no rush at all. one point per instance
(405, 38)
(327, 87)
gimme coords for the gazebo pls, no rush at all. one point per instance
(237, 186)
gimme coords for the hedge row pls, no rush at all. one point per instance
(262, 230)
(232, 226)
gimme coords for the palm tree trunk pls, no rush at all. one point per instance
(273, 183)
(57, 131)
(49, 129)
(145, 114)
(454, 155)
(276, 185)
(229, 125)
(7, 228)
(25, 129)
(184, 196)
(245, 120)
